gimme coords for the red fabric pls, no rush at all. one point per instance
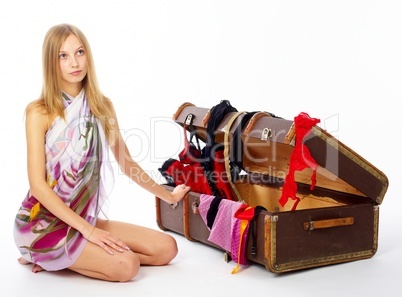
(245, 212)
(190, 171)
(191, 175)
(190, 154)
(299, 159)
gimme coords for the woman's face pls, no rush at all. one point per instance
(73, 64)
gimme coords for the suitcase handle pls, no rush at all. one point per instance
(320, 224)
(180, 109)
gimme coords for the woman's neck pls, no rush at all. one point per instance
(72, 89)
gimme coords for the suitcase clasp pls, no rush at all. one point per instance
(194, 207)
(189, 119)
(174, 205)
(266, 133)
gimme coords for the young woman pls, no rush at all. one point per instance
(69, 131)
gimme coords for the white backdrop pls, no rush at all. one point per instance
(339, 61)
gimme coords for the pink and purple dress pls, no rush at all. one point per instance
(79, 172)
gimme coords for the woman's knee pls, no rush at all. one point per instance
(168, 251)
(126, 268)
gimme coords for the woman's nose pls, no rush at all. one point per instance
(73, 62)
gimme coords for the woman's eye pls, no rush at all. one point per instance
(62, 56)
(80, 52)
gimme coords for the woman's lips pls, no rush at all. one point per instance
(75, 73)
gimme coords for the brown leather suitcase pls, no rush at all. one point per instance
(337, 221)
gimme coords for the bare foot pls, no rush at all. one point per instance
(35, 269)
(22, 261)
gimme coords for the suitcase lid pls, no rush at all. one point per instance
(268, 143)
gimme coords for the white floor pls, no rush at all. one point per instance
(199, 270)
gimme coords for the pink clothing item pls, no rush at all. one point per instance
(225, 231)
(235, 245)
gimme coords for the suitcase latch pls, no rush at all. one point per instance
(266, 133)
(194, 207)
(174, 205)
(189, 119)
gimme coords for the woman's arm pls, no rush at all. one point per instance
(36, 127)
(135, 172)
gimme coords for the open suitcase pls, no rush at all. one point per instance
(337, 221)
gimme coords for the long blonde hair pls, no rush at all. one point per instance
(51, 99)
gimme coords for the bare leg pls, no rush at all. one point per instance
(148, 247)
(96, 263)
(151, 246)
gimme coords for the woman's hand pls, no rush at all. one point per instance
(178, 193)
(106, 241)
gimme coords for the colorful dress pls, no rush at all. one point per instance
(79, 172)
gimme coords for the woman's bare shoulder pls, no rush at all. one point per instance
(36, 107)
(37, 114)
